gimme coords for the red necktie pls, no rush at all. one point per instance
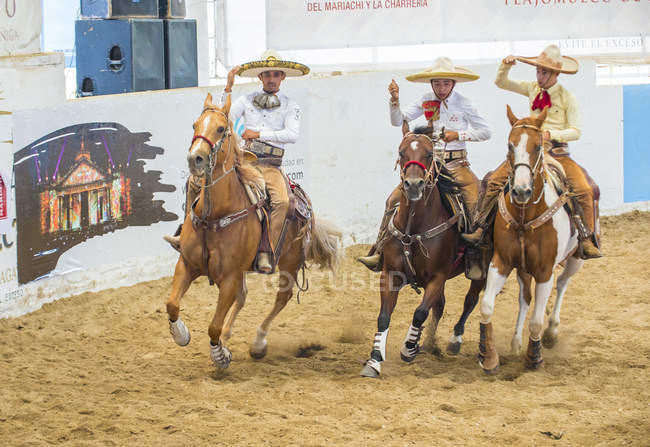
(542, 100)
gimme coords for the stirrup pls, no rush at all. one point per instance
(174, 241)
(264, 263)
(588, 249)
(373, 262)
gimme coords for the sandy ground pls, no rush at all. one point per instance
(101, 368)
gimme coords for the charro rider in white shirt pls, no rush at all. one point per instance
(271, 120)
(443, 107)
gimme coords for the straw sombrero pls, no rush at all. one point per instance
(271, 60)
(444, 68)
(551, 59)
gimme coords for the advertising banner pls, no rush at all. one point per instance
(304, 24)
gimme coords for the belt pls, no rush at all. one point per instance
(264, 149)
(454, 155)
(555, 143)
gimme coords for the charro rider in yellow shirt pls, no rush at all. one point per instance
(560, 127)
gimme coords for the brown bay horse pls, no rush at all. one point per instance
(423, 250)
(532, 234)
(223, 243)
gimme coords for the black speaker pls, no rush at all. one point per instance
(111, 9)
(172, 9)
(119, 56)
(180, 54)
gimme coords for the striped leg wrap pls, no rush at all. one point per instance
(411, 346)
(220, 355)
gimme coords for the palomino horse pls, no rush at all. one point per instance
(533, 234)
(423, 250)
(223, 243)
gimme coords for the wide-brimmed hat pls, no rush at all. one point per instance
(271, 60)
(444, 68)
(552, 60)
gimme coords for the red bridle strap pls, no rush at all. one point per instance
(201, 137)
(414, 162)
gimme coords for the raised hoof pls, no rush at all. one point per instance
(453, 348)
(179, 332)
(369, 371)
(549, 340)
(258, 354)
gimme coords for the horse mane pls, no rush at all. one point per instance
(423, 130)
(248, 173)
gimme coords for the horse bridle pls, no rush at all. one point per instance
(538, 167)
(215, 148)
(429, 178)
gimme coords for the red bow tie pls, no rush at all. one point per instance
(542, 100)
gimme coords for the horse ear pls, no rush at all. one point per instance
(541, 117)
(405, 128)
(208, 101)
(226, 106)
(511, 116)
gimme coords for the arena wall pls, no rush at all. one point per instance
(344, 158)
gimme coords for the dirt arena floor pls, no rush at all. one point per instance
(101, 368)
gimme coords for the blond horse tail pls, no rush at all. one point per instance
(325, 249)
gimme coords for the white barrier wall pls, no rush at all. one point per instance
(348, 149)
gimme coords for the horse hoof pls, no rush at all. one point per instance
(453, 348)
(407, 359)
(371, 369)
(179, 332)
(533, 365)
(220, 355)
(258, 354)
(549, 339)
(491, 371)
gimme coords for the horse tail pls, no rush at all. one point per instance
(325, 249)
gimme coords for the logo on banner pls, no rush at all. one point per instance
(431, 110)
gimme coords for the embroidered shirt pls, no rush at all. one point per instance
(278, 126)
(562, 119)
(460, 115)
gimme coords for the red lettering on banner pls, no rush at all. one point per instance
(405, 4)
(313, 7)
(536, 3)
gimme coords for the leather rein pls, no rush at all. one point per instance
(432, 174)
(219, 223)
(520, 226)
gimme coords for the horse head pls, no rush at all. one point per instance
(525, 154)
(416, 159)
(211, 130)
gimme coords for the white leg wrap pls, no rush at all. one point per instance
(180, 333)
(220, 355)
(412, 336)
(374, 364)
(380, 345)
(260, 340)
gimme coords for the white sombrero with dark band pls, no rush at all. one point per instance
(271, 60)
(552, 60)
(444, 68)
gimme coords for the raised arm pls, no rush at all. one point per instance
(504, 82)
